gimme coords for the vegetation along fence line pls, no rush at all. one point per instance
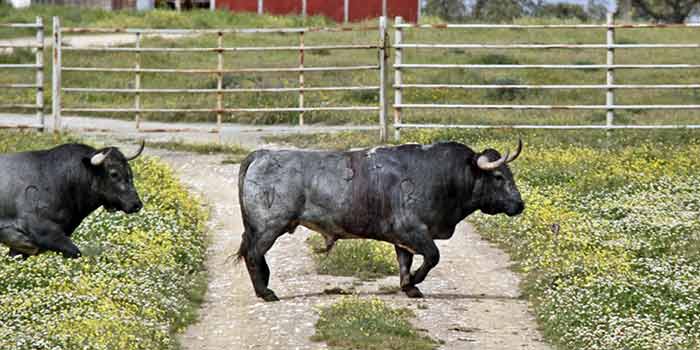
(37, 66)
(380, 46)
(400, 67)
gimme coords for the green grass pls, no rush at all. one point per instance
(368, 324)
(361, 258)
(204, 19)
(621, 269)
(139, 282)
(235, 153)
(93, 17)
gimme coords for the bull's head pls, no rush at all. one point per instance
(495, 187)
(114, 181)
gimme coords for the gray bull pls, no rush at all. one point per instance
(45, 195)
(408, 196)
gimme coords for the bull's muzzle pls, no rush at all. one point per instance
(516, 208)
(133, 207)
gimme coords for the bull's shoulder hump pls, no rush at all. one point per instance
(418, 148)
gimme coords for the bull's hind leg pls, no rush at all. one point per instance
(257, 266)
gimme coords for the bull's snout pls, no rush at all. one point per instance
(516, 208)
(134, 208)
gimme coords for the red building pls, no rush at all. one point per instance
(335, 9)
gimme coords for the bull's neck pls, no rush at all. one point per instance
(472, 193)
(76, 188)
(84, 193)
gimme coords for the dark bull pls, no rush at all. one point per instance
(45, 195)
(408, 195)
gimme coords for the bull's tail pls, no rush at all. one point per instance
(248, 237)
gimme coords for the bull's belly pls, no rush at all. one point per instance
(18, 241)
(339, 229)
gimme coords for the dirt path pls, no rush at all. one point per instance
(244, 134)
(84, 40)
(472, 297)
(231, 316)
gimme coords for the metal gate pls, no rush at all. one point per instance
(610, 107)
(35, 71)
(379, 46)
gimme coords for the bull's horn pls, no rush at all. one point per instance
(138, 153)
(100, 157)
(484, 163)
(517, 153)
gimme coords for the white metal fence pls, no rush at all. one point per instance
(35, 72)
(380, 46)
(610, 107)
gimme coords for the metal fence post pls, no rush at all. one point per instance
(56, 78)
(301, 78)
(40, 72)
(398, 37)
(303, 9)
(609, 76)
(383, 58)
(346, 11)
(220, 83)
(137, 82)
(420, 10)
(260, 7)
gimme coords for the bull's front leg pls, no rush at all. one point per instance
(405, 259)
(421, 243)
(13, 253)
(50, 236)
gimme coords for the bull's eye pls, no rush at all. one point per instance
(114, 175)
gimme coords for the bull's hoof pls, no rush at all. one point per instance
(270, 296)
(413, 292)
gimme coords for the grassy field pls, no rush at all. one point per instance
(92, 17)
(358, 324)
(608, 243)
(139, 281)
(357, 57)
(369, 259)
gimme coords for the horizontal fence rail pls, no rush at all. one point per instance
(547, 46)
(206, 91)
(77, 30)
(221, 49)
(563, 127)
(609, 67)
(37, 75)
(544, 26)
(380, 46)
(217, 71)
(546, 66)
(557, 87)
